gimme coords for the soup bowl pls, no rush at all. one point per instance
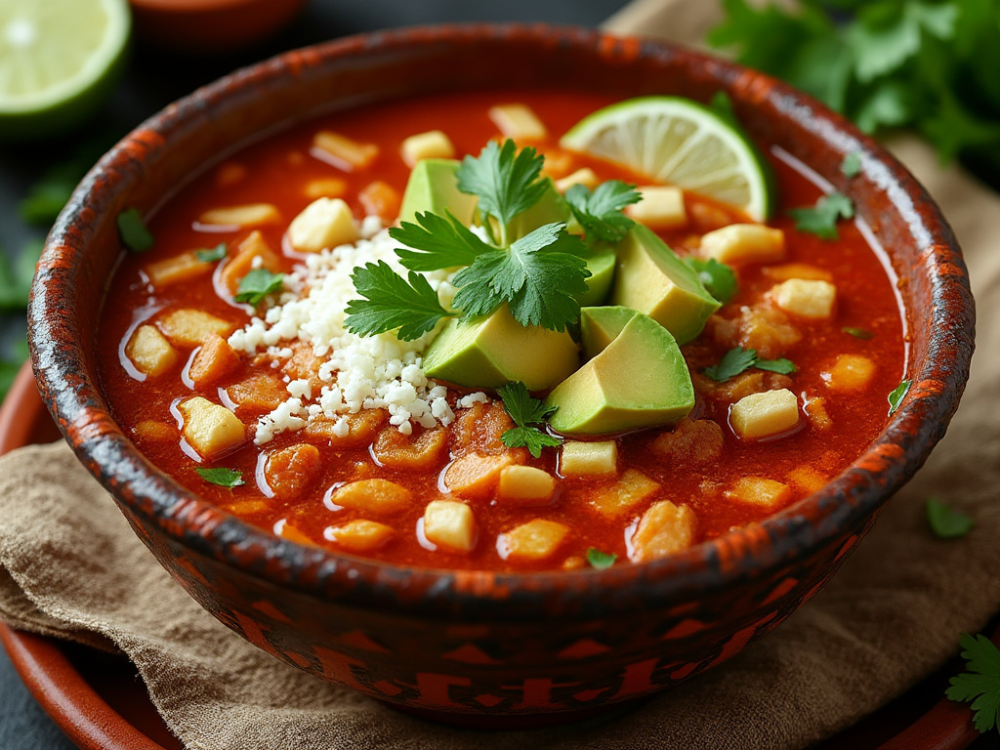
(475, 646)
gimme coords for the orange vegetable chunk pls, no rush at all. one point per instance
(213, 361)
(377, 496)
(394, 450)
(665, 528)
(290, 471)
(360, 535)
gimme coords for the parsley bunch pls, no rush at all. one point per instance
(927, 64)
(538, 275)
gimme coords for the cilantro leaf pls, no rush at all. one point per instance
(600, 560)
(980, 684)
(850, 167)
(210, 256)
(505, 180)
(781, 366)
(223, 477)
(436, 242)
(718, 278)
(600, 213)
(133, 231)
(538, 277)
(257, 284)
(946, 522)
(739, 360)
(897, 395)
(858, 333)
(526, 412)
(732, 364)
(821, 219)
(390, 302)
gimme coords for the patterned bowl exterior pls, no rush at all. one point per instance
(478, 647)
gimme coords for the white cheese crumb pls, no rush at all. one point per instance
(473, 398)
(375, 372)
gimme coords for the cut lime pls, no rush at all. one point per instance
(679, 142)
(59, 60)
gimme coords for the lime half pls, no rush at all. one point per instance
(59, 60)
(679, 142)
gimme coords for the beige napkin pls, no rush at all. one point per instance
(71, 567)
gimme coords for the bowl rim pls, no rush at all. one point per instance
(75, 400)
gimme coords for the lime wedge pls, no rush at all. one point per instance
(59, 60)
(679, 142)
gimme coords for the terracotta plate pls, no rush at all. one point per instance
(98, 701)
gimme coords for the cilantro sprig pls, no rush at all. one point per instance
(822, 218)
(980, 683)
(738, 360)
(390, 302)
(898, 394)
(210, 256)
(885, 64)
(529, 414)
(537, 276)
(505, 180)
(600, 212)
(257, 284)
(133, 232)
(223, 477)
(947, 522)
(718, 278)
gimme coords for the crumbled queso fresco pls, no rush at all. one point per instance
(374, 372)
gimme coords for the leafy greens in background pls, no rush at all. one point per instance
(933, 65)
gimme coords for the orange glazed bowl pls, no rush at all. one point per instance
(486, 647)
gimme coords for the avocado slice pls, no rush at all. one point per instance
(654, 281)
(639, 380)
(433, 187)
(599, 326)
(602, 274)
(496, 349)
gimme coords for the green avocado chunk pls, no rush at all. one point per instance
(602, 274)
(640, 379)
(654, 281)
(496, 349)
(599, 326)
(433, 187)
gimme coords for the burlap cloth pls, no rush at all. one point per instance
(70, 567)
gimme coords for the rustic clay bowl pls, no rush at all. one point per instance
(474, 645)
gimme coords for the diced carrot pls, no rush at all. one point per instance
(290, 471)
(239, 266)
(381, 199)
(394, 450)
(213, 361)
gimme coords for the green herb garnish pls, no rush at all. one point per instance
(781, 366)
(223, 477)
(732, 364)
(897, 395)
(600, 560)
(505, 180)
(946, 522)
(739, 360)
(133, 232)
(858, 333)
(390, 302)
(822, 218)
(210, 256)
(885, 63)
(718, 278)
(437, 242)
(600, 213)
(528, 413)
(537, 276)
(850, 167)
(980, 683)
(257, 284)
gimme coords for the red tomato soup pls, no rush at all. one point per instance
(198, 385)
